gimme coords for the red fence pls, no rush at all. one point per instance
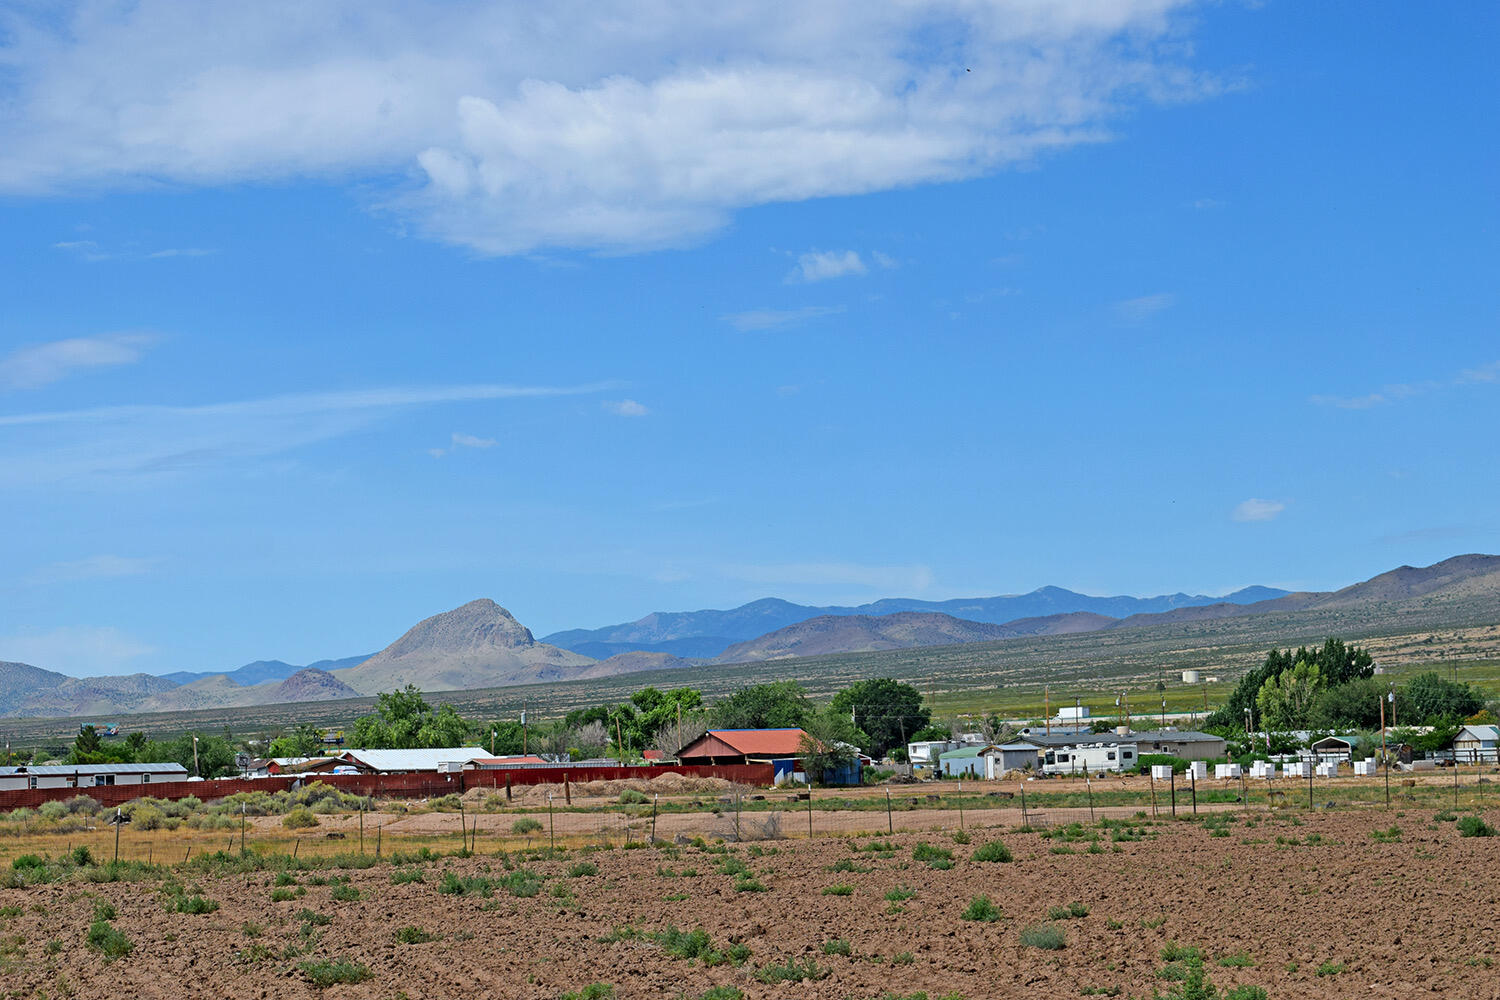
(420, 784)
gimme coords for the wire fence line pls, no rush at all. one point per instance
(746, 814)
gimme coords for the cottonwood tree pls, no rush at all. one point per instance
(885, 710)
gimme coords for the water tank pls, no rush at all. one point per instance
(1190, 677)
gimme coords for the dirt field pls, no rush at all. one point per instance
(1311, 905)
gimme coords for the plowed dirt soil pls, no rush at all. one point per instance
(1303, 905)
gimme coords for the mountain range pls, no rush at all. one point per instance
(706, 634)
(481, 645)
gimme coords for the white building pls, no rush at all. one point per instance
(1477, 743)
(1090, 758)
(87, 775)
(439, 759)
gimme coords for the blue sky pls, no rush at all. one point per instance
(320, 320)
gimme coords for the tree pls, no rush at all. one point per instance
(403, 720)
(885, 709)
(1286, 701)
(778, 705)
(1355, 705)
(1432, 697)
(830, 742)
(304, 741)
(1336, 662)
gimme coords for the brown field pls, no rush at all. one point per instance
(1294, 892)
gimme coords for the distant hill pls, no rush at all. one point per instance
(634, 663)
(707, 634)
(862, 633)
(262, 671)
(477, 645)
(31, 691)
(309, 684)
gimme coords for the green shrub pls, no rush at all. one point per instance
(104, 938)
(195, 904)
(403, 876)
(993, 851)
(300, 818)
(325, 973)
(900, 894)
(1239, 960)
(452, 885)
(582, 869)
(929, 853)
(285, 895)
(902, 958)
(522, 883)
(526, 825)
(593, 991)
(722, 993)
(413, 935)
(1174, 952)
(792, 971)
(1245, 991)
(838, 946)
(81, 856)
(1474, 826)
(630, 797)
(345, 894)
(982, 909)
(838, 890)
(1331, 968)
(26, 862)
(1047, 937)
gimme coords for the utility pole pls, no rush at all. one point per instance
(523, 728)
(620, 739)
(679, 725)
(1047, 707)
(195, 757)
(493, 734)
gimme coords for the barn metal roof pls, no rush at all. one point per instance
(748, 743)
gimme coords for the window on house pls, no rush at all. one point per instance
(1110, 755)
(104, 779)
(145, 779)
(31, 781)
(1126, 754)
(1062, 758)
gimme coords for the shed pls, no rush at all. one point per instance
(1331, 748)
(1018, 756)
(965, 762)
(1477, 743)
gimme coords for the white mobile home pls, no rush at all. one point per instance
(1090, 758)
(87, 775)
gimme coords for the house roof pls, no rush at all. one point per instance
(1480, 732)
(1018, 747)
(1331, 741)
(965, 753)
(414, 760)
(509, 761)
(746, 742)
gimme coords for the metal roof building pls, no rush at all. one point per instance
(405, 761)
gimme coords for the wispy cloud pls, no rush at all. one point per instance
(101, 567)
(111, 443)
(78, 650)
(1399, 391)
(1256, 509)
(822, 265)
(42, 364)
(649, 127)
(471, 441)
(91, 251)
(625, 408)
(770, 319)
(1138, 310)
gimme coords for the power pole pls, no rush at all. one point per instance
(523, 727)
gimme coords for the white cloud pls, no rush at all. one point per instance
(626, 408)
(78, 650)
(1140, 309)
(1256, 509)
(821, 265)
(110, 444)
(470, 441)
(92, 252)
(101, 567)
(599, 125)
(770, 319)
(42, 364)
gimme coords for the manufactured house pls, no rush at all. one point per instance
(1184, 743)
(440, 759)
(88, 775)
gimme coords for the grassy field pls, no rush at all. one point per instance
(1005, 678)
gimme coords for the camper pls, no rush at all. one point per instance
(1090, 758)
